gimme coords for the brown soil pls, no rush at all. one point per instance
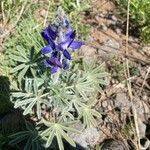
(114, 102)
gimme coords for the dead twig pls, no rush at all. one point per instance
(146, 76)
(45, 20)
(127, 73)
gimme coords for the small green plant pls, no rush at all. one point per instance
(127, 131)
(139, 16)
(117, 69)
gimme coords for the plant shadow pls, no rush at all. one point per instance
(11, 120)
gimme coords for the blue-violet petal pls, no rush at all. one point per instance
(67, 54)
(47, 49)
(76, 45)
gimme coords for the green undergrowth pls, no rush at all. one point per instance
(139, 17)
(75, 8)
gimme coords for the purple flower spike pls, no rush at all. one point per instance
(47, 49)
(61, 42)
(52, 44)
(66, 54)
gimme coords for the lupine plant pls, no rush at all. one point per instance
(55, 90)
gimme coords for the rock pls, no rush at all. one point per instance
(146, 50)
(89, 136)
(142, 109)
(101, 15)
(104, 27)
(118, 31)
(113, 25)
(142, 128)
(114, 18)
(131, 39)
(113, 44)
(121, 102)
(90, 39)
(97, 17)
(145, 97)
(145, 143)
(43, 13)
(109, 49)
(113, 145)
(109, 108)
(88, 53)
(104, 104)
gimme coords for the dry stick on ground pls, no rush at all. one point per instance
(146, 76)
(127, 73)
(45, 20)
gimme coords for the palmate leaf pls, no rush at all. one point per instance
(29, 108)
(17, 68)
(88, 115)
(90, 79)
(18, 58)
(22, 73)
(59, 131)
(28, 103)
(96, 74)
(84, 86)
(22, 52)
(32, 98)
(18, 137)
(60, 96)
(26, 61)
(66, 114)
(77, 102)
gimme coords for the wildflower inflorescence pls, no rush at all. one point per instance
(60, 38)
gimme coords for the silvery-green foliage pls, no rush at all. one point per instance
(31, 98)
(72, 97)
(56, 100)
(26, 62)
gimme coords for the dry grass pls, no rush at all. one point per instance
(18, 18)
